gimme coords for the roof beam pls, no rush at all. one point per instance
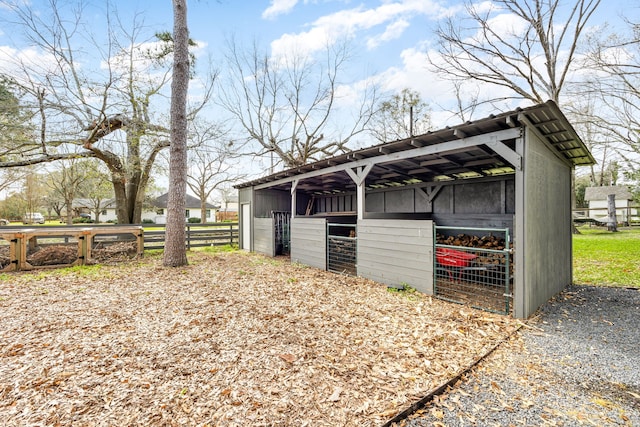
(439, 148)
(459, 134)
(438, 161)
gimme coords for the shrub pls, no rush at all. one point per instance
(148, 221)
(194, 220)
(82, 220)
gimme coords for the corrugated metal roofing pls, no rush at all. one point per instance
(467, 162)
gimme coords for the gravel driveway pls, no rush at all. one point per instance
(576, 363)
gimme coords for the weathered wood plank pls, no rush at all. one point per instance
(395, 252)
(309, 241)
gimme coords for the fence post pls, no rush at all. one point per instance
(188, 237)
(231, 234)
(612, 224)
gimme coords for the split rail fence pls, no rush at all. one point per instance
(197, 235)
(28, 247)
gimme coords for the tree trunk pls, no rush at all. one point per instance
(175, 252)
(120, 193)
(612, 225)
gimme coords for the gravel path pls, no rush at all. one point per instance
(577, 363)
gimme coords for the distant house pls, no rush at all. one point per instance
(598, 209)
(156, 211)
(228, 209)
(82, 206)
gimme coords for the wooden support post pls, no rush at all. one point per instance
(294, 202)
(359, 176)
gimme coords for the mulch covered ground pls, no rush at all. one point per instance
(233, 339)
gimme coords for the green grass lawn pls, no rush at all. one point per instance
(604, 258)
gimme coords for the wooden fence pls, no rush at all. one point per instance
(198, 235)
(627, 215)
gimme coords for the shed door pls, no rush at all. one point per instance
(246, 226)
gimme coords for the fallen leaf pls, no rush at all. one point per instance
(288, 357)
(335, 396)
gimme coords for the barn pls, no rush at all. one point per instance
(478, 213)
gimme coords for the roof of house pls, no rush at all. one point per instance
(421, 159)
(601, 193)
(190, 202)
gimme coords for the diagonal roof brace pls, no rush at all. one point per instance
(507, 153)
(359, 173)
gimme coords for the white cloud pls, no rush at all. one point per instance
(13, 62)
(278, 7)
(507, 24)
(349, 23)
(393, 31)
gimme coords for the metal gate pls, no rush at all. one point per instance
(282, 225)
(341, 248)
(474, 266)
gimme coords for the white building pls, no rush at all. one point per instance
(157, 211)
(598, 203)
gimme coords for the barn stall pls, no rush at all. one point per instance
(478, 213)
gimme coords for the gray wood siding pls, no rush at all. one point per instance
(245, 195)
(271, 200)
(396, 252)
(544, 251)
(309, 241)
(263, 236)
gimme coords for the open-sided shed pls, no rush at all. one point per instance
(378, 212)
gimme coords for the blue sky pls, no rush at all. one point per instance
(388, 37)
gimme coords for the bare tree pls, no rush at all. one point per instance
(532, 57)
(228, 195)
(14, 127)
(97, 191)
(213, 163)
(614, 84)
(175, 253)
(401, 116)
(33, 192)
(66, 182)
(287, 104)
(583, 108)
(103, 99)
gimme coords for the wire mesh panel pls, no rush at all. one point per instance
(474, 267)
(341, 248)
(282, 224)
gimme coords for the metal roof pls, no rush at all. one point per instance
(600, 193)
(457, 162)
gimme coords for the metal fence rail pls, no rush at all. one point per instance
(479, 277)
(341, 248)
(282, 225)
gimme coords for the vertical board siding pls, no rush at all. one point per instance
(309, 241)
(546, 243)
(264, 236)
(271, 200)
(396, 252)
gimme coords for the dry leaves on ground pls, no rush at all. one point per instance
(233, 339)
